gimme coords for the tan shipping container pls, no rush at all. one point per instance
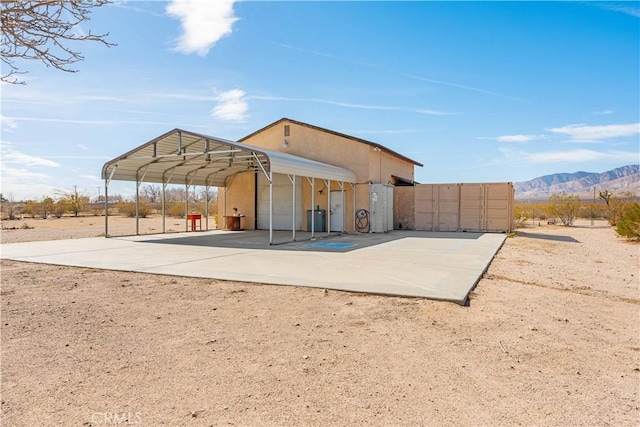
(464, 207)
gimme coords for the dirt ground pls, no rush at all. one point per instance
(551, 337)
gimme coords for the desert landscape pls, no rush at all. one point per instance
(551, 337)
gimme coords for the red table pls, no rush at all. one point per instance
(193, 218)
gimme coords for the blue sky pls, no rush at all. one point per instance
(476, 91)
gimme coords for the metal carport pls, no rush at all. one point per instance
(189, 158)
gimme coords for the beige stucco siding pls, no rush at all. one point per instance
(240, 194)
(316, 145)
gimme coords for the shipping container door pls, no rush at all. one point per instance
(472, 207)
(499, 207)
(424, 207)
(448, 207)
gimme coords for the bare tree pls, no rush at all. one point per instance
(8, 206)
(43, 30)
(152, 192)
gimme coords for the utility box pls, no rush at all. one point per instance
(320, 220)
(381, 208)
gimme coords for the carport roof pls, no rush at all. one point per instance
(183, 157)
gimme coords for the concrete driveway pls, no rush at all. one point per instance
(440, 266)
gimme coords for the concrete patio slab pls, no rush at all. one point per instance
(441, 266)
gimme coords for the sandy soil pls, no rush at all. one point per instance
(551, 337)
(33, 229)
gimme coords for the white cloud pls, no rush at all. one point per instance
(15, 157)
(628, 9)
(22, 175)
(460, 86)
(410, 76)
(23, 184)
(357, 106)
(570, 156)
(204, 22)
(603, 112)
(8, 124)
(591, 133)
(231, 106)
(182, 96)
(18, 190)
(89, 122)
(514, 138)
(82, 146)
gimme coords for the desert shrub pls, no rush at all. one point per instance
(564, 207)
(59, 208)
(46, 206)
(176, 210)
(629, 224)
(521, 216)
(618, 206)
(31, 208)
(128, 209)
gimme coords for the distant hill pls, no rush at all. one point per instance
(622, 179)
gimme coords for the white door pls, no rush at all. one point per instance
(337, 211)
(282, 202)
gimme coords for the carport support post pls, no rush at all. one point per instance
(293, 225)
(164, 206)
(313, 207)
(270, 208)
(137, 204)
(224, 212)
(329, 207)
(106, 208)
(353, 188)
(344, 211)
(106, 202)
(206, 206)
(186, 207)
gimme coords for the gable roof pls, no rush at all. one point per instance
(343, 135)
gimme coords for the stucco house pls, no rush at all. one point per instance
(377, 169)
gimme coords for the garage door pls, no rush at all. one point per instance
(282, 202)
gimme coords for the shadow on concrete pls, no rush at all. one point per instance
(548, 237)
(259, 239)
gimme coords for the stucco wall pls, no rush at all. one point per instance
(240, 194)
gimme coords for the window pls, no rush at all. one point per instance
(287, 130)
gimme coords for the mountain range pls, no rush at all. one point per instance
(618, 180)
